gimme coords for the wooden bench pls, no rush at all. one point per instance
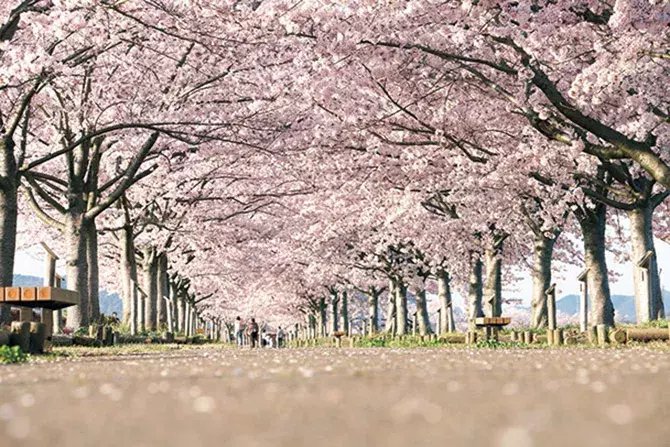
(491, 325)
(51, 298)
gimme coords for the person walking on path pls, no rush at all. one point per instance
(280, 337)
(252, 332)
(238, 331)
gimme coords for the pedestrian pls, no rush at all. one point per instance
(252, 332)
(280, 337)
(238, 331)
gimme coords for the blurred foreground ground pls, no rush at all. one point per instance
(213, 396)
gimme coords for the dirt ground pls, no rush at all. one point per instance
(343, 397)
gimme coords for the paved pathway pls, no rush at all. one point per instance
(347, 397)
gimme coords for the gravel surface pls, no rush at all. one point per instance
(345, 397)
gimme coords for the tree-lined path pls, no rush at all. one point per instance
(306, 397)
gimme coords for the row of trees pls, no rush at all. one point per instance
(270, 157)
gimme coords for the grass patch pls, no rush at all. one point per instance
(12, 354)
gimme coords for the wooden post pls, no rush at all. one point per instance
(365, 327)
(551, 307)
(414, 323)
(558, 337)
(528, 337)
(49, 280)
(58, 314)
(550, 336)
(593, 335)
(439, 322)
(643, 307)
(583, 301)
(133, 308)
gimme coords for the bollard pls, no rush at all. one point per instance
(601, 331)
(37, 338)
(550, 336)
(528, 337)
(558, 337)
(512, 336)
(20, 335)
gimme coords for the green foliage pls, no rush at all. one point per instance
(658, 324)
(82, 331)
(12, 354)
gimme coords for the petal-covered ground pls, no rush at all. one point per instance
(214, 396)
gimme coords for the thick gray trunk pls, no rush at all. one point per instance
(390, 309)
(475, 291)
(401, 308)
(77, 268)
(174, 293)
(493, 287)
(128, 271)
(162, 290)
(321, 318)
(648, 295)
(543, 248)
(422, 318)
(150, 270)
(345, 311)
(8, 219)
(93, 272)
(593, 231)
(333, 315)
(181, 310)
(373, 312)
(446, 308)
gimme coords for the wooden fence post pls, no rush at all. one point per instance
(583, 301)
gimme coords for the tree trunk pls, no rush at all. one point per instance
(493, 287)
(150, 270)
(446, 306)
(592, 223)
(543, 248)
(174, 293)
(373, 312)
(162, 290)
(321, 318)
(332, 317)
(401, 308)
(93, 272)
(181, 309)
(648, 295)
(422, 318)
(8, 219)
(77, 268)
(475, 291)
(390, 326)
(345, 312)
(128, 271)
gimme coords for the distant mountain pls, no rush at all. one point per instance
(109, 302)
(624, 306)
